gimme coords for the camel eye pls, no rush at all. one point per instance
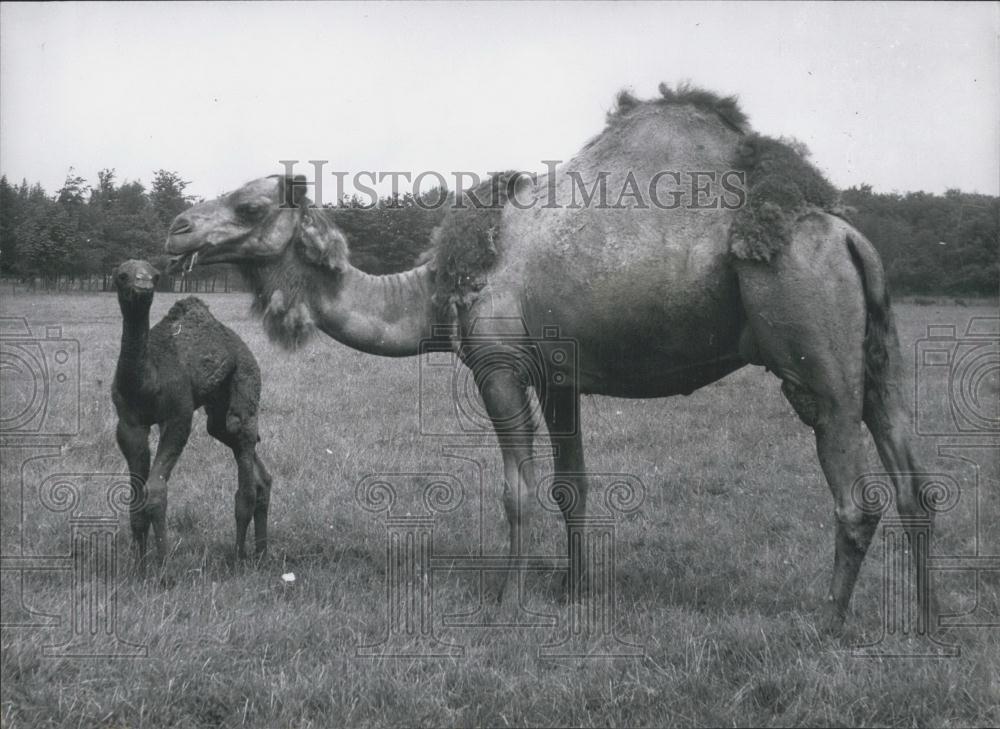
(123, 277)
(249, 211)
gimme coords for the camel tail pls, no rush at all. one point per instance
(882, 355)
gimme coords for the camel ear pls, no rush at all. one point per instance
(321, 242)
(293, 191)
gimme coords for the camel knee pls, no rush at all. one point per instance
(856, 527)
(238, 423)
(261, 475)
(154, 502)
(246, 503)
(515, 503)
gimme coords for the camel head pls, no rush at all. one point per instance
(135, 282)
(260, 221)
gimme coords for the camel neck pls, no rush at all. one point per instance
(132, 357)
(387, 315)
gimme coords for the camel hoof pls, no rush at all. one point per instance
(833, 621)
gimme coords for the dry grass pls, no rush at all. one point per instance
(720, 577)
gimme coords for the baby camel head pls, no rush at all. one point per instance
(135, 282)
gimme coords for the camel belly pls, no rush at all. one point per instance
(643, 333)
(676, 359)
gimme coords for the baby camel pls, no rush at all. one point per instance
(187, 361)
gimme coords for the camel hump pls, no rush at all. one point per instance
(209, 351)
(190, 306)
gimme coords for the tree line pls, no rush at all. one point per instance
(930, 244)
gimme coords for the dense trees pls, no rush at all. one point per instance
(934, 244)
(931, 244)
(80, 230)
(391, 236)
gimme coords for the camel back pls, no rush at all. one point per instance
(780, 184)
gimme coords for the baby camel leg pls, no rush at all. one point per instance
(253, 480)
(173, 437)
(133, 439)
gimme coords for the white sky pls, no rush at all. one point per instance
(903, 96)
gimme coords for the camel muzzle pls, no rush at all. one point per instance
(182, 264)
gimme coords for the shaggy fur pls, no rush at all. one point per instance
(280, 298)
(727, 108)
(781, 185)
(465, 243)
(280, 287)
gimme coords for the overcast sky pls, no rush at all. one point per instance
(902, 96)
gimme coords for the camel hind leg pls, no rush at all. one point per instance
(232, 420)
(262, 481)
(806, 312)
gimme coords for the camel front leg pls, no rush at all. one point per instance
(173, 437)
(569, 490)
(133, 439)
(509, 408)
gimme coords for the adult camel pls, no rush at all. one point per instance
(661, 291)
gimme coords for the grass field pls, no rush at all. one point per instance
(720, 574)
